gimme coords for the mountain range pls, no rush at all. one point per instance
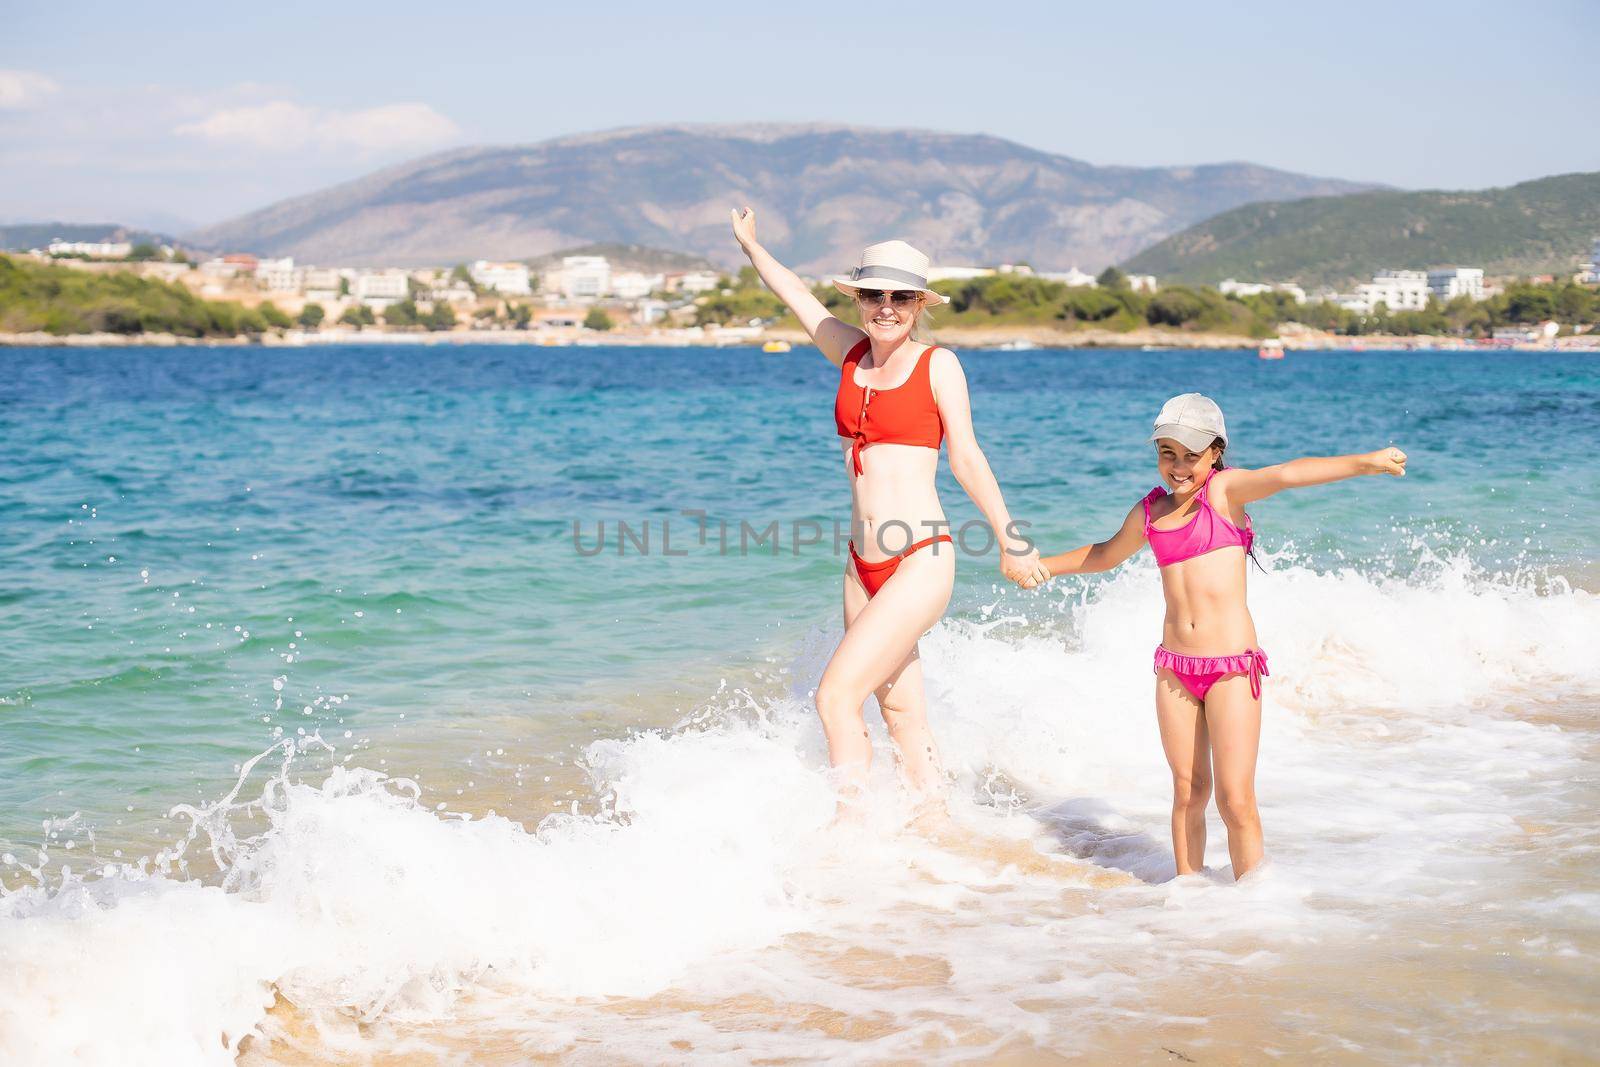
(1536, 227)
(822, 192)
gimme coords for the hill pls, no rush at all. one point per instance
(1537, 227)
(824, 191)
(627, 258)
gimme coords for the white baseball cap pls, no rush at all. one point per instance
(1193, 420)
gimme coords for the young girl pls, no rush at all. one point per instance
(1208, 666)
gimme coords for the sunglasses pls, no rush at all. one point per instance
(899, 298)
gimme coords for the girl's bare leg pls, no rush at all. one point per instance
(1184, 738)
(1234, 719)
(880, 636)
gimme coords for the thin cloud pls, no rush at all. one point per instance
(284, 126)
(23, 88)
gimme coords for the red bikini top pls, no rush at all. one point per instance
(1207, 531)
(904, 415)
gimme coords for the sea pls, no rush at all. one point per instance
(451, 704)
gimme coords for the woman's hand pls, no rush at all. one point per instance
(1025, 569)
(1386, 461)
(744, 227)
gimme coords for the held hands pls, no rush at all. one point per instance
(744, 226)
(1025, 569)
(1386, 461)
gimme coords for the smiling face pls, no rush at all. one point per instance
(1183, 469)
(888, 317)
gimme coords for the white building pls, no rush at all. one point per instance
(696, 281)
(1230, 287)
(957, 274)
(1073, 279)
(512, 279)
(1591, 269)
(1142, 283)
(321, 283)
(585, 277)
(1450, 282)
(651, 312)
(457, 292)
(279, 275)
(1399, 290)
(632, 285)
(92, 249)
(379, 289)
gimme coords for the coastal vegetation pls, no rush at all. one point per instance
(53, 299)
(1537, 227)
(1002, 300)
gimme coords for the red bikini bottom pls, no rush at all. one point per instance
(873, 575)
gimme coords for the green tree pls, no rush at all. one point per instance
(143, 252)
(273, 315)
(1112, 278)
(442, 317)
(1088, 305)
(597, 319)
(358, 316)
(311, 316)
(401, 315)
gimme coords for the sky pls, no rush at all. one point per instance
(179, 114)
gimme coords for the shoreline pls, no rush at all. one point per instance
(989, 337)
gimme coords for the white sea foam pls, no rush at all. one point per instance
(1390, 768)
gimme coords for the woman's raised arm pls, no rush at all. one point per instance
(832, 335)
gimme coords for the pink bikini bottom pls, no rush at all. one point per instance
(1199, 673)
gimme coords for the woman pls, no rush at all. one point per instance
(897, 399)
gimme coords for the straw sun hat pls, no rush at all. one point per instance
(889, 265)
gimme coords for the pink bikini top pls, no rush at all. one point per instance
(1207, 531)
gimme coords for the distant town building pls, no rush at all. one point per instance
(237, 265)
(321, 283)
(633, 285)
(1447, 283)
(650, 312)
(511, 279)
(92, 249)
(957, 274)
(1398, 290)
(1591, 269)
(1231, 287)
(279, 275)
(585, 277)
(457, 292)
(1142, 283)
(695, 281)
(380, 289)
(1073, 279)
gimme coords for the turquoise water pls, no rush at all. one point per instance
(394, 527)
(617, 847)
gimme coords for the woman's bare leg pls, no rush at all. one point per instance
(905, 712)
(1233, 717)
(880, 636)
(1184, 739)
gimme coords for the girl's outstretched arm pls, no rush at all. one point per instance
(832, 335)
(1243, 486)
(1092, 559)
